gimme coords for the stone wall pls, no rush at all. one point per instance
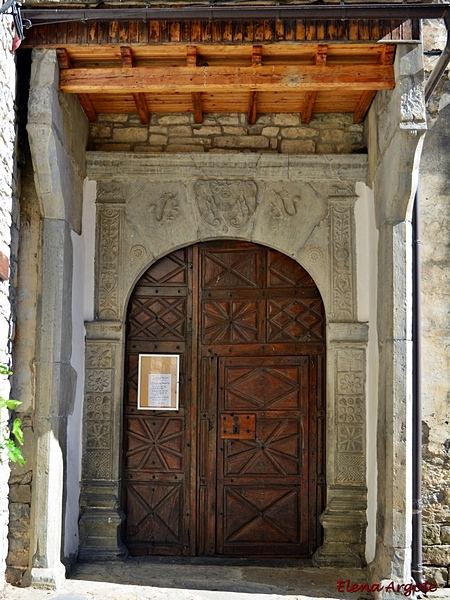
(435, 237)
(274, 133)
(8, 243)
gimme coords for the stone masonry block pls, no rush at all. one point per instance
(130, 134)
(270, 131)
(445, 534)
(299, 132)
(286, 119)
(251, 141)
(436, 575)
(298, 147)
(437, 555)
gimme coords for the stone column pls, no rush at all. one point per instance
(344, 519)
(396, 125)
(57, 150)
(101, 515)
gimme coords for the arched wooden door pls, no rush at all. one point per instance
(238, 470)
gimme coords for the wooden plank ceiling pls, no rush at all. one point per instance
(220, 78)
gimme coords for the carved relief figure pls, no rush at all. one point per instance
(225, 204)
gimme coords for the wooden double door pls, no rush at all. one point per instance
(238, 470)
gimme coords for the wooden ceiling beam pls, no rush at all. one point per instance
(64, 60)
(191, 56)
(127, 56)
(320, 60)
(226, 79)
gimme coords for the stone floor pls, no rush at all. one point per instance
(152, 579)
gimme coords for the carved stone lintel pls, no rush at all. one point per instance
(344, 523)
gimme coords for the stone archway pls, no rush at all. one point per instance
(147, 206)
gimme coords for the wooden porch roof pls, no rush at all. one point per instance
(304, 66)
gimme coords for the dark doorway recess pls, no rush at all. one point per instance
(238, 470)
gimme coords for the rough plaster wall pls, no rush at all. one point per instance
(435, 236)
(274, 133)
(8, 245)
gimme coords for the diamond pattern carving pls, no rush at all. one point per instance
(292, 320)
(172, 269)
(262, 388)
(158, 318)
(284, 272)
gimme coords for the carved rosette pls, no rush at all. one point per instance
(110, 231)
(350, 417)
(225, 204)
(98, 410)
(342, 263)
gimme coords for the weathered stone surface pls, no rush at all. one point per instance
(436, 575)
(445, 534)
(431, 534)
(298, 147)
(436, 555)
(219, 133)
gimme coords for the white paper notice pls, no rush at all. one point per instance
(159, 388)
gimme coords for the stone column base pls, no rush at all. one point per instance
(344, 523)
(45, 578)
(100, 535)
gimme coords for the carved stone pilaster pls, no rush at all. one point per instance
(101, 515)
(344, 520)
(109, 253)
(342, 256)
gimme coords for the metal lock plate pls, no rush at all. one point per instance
(237, 426)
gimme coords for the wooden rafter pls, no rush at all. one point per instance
(191, 61)
(321, 59)
(138, 97)
(227, 79)
(65, 62)
(197, 105)
(256, 62)
(88, 107)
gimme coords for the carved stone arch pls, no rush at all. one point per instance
(301, 206)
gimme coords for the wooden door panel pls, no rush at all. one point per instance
(265, 383)
(294, 320)
(262, 520)
(275, 451)
(238, 470)
(230, 268)
(155, 518)
(230, 322)
(260, 507)
(154, 444)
